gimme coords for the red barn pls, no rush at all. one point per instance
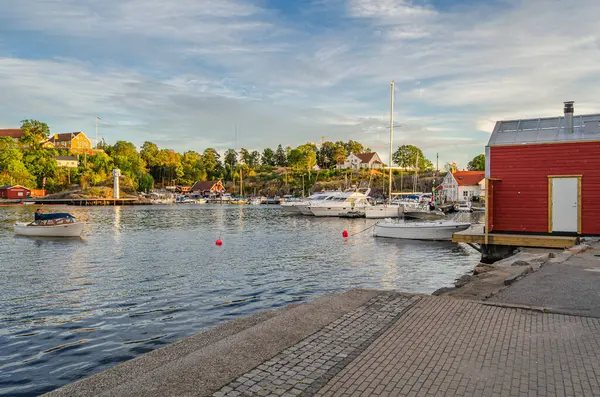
(544, 175)
(14, 192)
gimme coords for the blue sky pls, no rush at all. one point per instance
(186, 74)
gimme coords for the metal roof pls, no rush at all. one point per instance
(545, 130)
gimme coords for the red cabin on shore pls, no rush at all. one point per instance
(544, 175)
(14, 192)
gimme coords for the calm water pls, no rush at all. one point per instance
(143, 277)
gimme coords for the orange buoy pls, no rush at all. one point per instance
(345, 234)
(219, 242)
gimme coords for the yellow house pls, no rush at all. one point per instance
(76, 141)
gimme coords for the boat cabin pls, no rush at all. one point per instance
(53, 219)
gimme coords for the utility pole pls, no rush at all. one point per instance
(437, 163)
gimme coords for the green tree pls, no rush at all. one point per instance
(40, 164)
(354, 147)
(339, 153)
(212, 163)
(34, 133)
(12, 169)
(231, 157)
(254, 159)
(149, 152)
(303, 158)
(128, 160)
(146, 182)
(280, 157)
(245, 156)
(477, 164)
(193, 168)
(406, 157)
(268, 157)
(325, 154)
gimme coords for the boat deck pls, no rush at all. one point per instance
(477, 236)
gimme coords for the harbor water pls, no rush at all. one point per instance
(142, 277)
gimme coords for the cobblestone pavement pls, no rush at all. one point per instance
(435, 346)
(448, 347)
(307, 366)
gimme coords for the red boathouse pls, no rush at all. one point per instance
(14, 192)
(543, 175)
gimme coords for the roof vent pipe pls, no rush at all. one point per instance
(569, 116)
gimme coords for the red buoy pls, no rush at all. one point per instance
(345, 234)
(219, 242)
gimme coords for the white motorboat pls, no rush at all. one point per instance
(301, 206)
(51, 225)
(256, 201)
(346, 204)
(441, 230)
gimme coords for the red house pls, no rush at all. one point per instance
(544, 175)
(14, 192)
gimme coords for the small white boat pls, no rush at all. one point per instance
(51, 225)
(442, 230)
(256, 201)
(351, 204)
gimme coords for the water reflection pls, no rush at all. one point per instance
(147, 276)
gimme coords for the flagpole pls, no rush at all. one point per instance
(96, 132)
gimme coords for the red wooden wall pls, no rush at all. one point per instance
(521, 197)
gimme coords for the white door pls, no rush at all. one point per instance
(565, 205)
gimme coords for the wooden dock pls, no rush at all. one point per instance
(476, 236)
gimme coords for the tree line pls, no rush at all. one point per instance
(27, 163)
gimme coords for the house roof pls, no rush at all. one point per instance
(545, 130)
(13, 186)
(366, 158)
(468, 178)
(203, 186)
(11, 132)
(66, 158)
(65, 137)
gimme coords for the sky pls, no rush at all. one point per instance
(192, 74)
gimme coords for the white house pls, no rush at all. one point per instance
(463, 185)
(67, 161)
(362, 160)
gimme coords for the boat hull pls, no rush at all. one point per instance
(305, 210)
(354, 212)
(439, 231)
(384, 211)
(65, 230)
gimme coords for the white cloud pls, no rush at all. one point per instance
(186, 72)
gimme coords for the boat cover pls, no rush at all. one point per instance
(58, 215)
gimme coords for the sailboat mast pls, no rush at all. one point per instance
(391, 137)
